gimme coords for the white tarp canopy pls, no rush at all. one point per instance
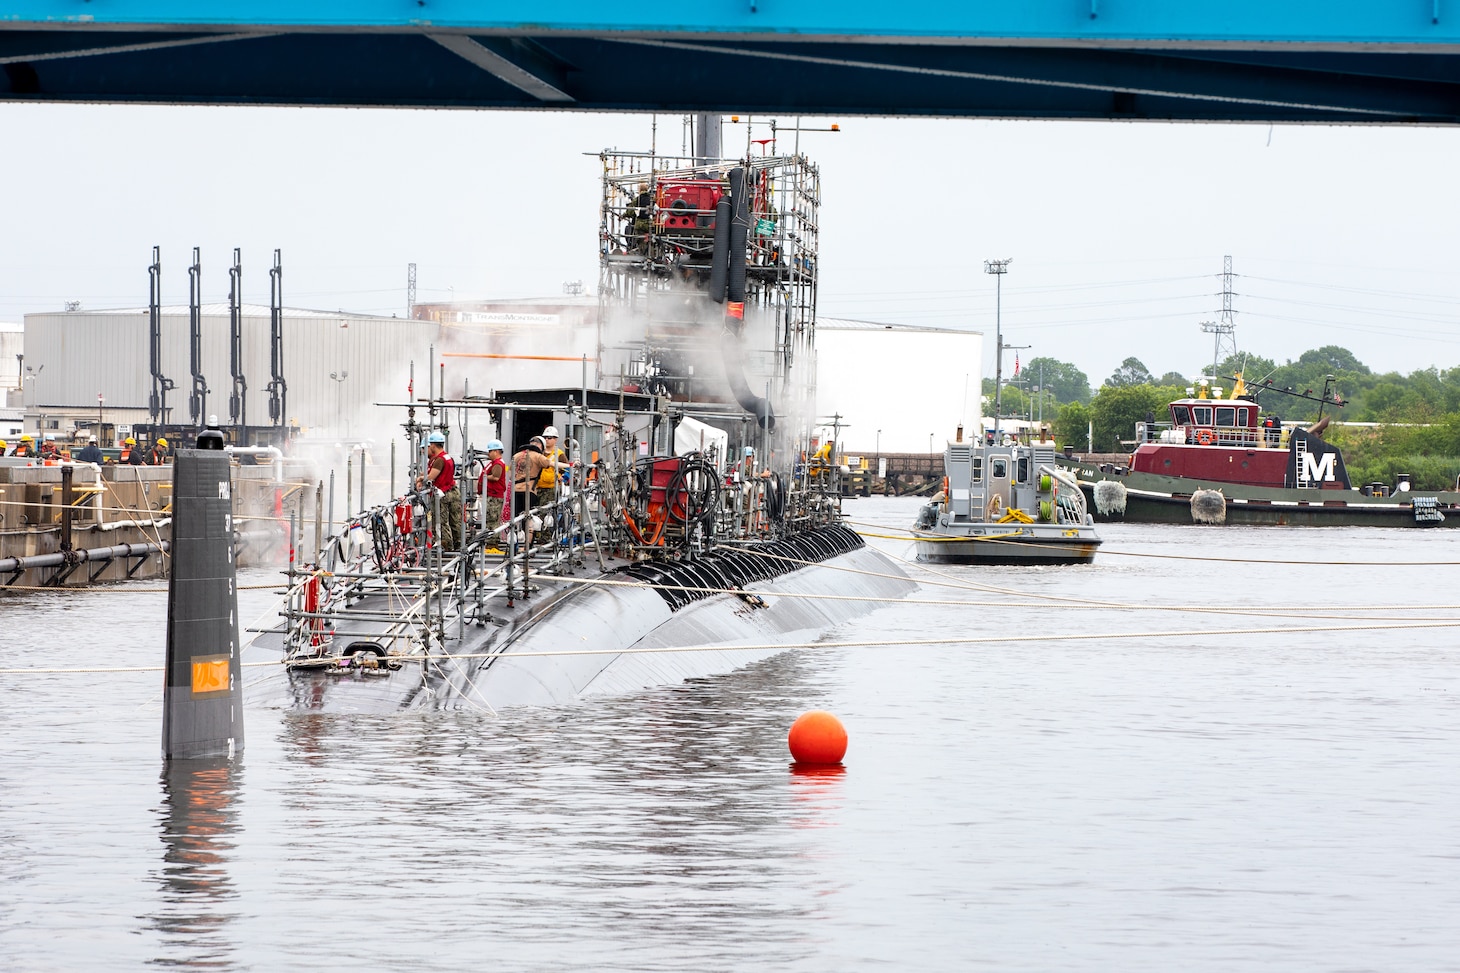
(693, 436)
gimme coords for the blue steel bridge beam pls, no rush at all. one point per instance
(633, 74)
(513, 60)
(1410, 24)
(1348, 61)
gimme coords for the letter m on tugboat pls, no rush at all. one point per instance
(1314, 464)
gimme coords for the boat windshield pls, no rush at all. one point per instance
(1180, 414)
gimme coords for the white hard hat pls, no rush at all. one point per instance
(551, 432)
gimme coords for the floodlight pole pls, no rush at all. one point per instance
(998, 268)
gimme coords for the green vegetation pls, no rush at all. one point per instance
(1131, 372)
(1416, 417)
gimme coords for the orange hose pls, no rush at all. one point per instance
(469, 354)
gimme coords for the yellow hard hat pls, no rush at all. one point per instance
(27, 439)
(3, 444)
(161, 441)
(129, 441)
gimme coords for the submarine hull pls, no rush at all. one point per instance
(578, 637)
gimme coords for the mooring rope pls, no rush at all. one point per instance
(846, 644)
(1253, 611)
(1104, 550)
(118, 588)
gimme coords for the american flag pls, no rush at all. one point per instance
(1016, 363)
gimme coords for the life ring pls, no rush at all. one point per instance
(1205, 437)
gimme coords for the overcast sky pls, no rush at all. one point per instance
(1117, 231)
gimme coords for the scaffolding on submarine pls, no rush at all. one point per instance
(708, 283)
(662, 220)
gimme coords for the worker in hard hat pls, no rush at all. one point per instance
(440, 480)
(49, 450)
(548, 478)
(3, 447)
(158, 455)
(26, 447)
(492, 485)
(90, 453)
(130, 454)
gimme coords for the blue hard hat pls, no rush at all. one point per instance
(436, 437)
(495, 444)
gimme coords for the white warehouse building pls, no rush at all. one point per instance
(82, 367)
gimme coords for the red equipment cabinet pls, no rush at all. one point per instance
(688, 204)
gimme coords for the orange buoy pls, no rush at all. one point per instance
(817, 737)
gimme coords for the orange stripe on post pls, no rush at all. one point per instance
(210, 674)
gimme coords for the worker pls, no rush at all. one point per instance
(3, 447)
(492, 485)
(527, 466)
(548, 478)
(130, 454)
(639, 219)
(440, 479)
(158, 456)
(26, 447)
(750, 478)
(90, 453)
(49, 451)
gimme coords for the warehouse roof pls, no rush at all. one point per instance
(221, 310)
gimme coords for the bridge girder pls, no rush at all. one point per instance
(1340, 62)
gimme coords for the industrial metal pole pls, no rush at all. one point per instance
(998, 268)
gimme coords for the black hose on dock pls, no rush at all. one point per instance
(16, 564)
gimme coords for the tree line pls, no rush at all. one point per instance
(1415, 417)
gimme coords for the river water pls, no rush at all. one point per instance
(1133, 790)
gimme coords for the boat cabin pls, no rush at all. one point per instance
(1220, 422)
(1214, 439)
(986, 483)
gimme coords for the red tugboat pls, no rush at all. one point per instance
(1220, 460)
(1229, 441)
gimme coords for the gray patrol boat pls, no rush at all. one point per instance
(1005, 504)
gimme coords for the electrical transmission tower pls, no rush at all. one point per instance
(411, 291)
(1224, 332)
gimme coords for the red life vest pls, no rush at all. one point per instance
(493, 488)
(446, 480)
